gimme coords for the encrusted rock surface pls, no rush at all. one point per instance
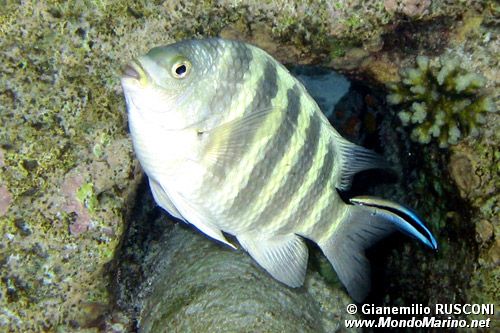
(67, 173)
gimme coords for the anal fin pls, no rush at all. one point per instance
(345, 249)
(284, 256)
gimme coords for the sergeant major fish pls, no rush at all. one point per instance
(232, 142)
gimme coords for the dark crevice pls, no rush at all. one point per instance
(410, 37)
(143, 229)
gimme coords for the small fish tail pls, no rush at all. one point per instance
(401, 217)
(365, 221)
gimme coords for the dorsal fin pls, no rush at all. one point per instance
(354, 159)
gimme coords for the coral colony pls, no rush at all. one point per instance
(441, 100)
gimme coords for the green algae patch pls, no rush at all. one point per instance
(87, 197)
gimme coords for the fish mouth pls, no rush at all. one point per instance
(133, 71)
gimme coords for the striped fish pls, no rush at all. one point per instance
(231, 142)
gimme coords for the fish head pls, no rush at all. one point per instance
(167, 85)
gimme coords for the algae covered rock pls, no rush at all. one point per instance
(475, 168)
(68, 178)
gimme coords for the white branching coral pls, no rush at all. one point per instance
(441, 100)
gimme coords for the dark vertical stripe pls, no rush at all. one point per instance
(327, 214)
(267, 89)
(230, 76)
(310, 200)
(296, 176)
(275, 150)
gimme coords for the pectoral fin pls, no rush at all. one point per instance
(229, 141)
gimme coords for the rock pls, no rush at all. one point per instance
(462, 171)
(494, 254)
(5, 200)
(2, 163)
(484, 231)
(196, 285)
(325, 86)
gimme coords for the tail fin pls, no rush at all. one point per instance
(365, 222)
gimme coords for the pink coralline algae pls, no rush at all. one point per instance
(415, 7)
(410, 8)
(69, 188)
(5, 200)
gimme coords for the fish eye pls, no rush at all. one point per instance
(181, 69)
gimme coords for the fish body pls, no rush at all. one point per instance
(231, 142)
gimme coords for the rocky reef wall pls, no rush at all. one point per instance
(69, 180)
